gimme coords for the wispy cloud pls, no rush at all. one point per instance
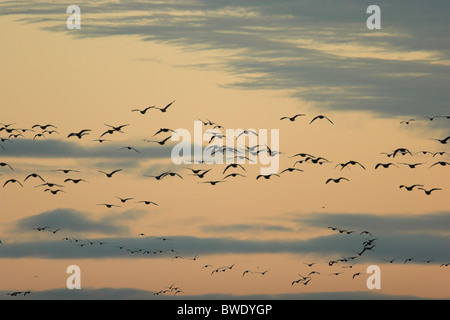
(305, 47)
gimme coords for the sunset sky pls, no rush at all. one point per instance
(242, 65)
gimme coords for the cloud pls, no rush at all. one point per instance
(66, 149)
(321, 52)
(244, 228)
(135, 294)
(379, 224)
(76, 222)
(403, 246)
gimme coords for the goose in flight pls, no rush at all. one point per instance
(49, 184)
(443, 141)
(234, 175)
(385, 165)
(267, 176)
(233, 165)
(54, 191)
(39, 135)
(291, 170)
(12, 181)
(148, 202)
(292, 119)
(109, 206)
(118, 128)
(412, 165)
(321, 117)
(441, 163)
(3, 164)
(144, 110)
(410, 188)
(166, 107)
(336, 180)
(161, 143)
(43, 127)
(343, 165)
(402, 151)
(33, 175)
(441, 153)
(130, 148)
(109, 175)
(428, 192)
(213, 182)
(80, 134)
(246, 132)
(407, 122)
(75, 181)
(432, 118)
(123, 200)
(164, 130)
(65, 170)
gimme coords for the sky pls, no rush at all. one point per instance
(242, 65)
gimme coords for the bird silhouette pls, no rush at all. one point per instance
(428, 192)
(336, 180)
(385, 165)
(443, 141)
(109, 175)
(12, 181)
(3, 164)
(410, 188)
(144, 110)
(321, 117)
(267, 176)
(441, 163)
(80, 134)
(166, 107)
(292, 119)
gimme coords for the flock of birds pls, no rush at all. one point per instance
(231, 171)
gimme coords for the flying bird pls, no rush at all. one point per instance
(144, 110)
(166, 107)
(3, 164)
(441, 163)
(410, 188)
(109, 175)
(443, 141)
(428, 192)
(292, 119)
(385, 165)
(336, 180)
(80, 134)
(321, 117)
(12, 181)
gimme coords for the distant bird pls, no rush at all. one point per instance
(12, 181)
(321, 117)
(246, 271)
(109, 206)
(428, 192)
(39, 135)
(109, 175)
(233, 175)
(144, 110)
(408, 260)
(49, 184)
(407, 122)
(385, 165)
(267, 176)
(291, 170)
(441, 163)
(442, 141)
(336, 180)
(309, 264)
(412, 165)
(161, 143)
(233, 165)
(292, 119)
(410, 188)
(402, 151)
(166, 107)
(247, 132)
(213, 182)
(148, 202)
(391, 261)
(164, 130)
(43, 127)
(365, 232)
(123, 200)
(118, 128)
(424, 152)
(66, 170)
(130, 148)
(80, 134)
(356, 274)
(343, 165)
(441, 153)
(3, 164)
(75, 181)
(432, 118)
(54, 191)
